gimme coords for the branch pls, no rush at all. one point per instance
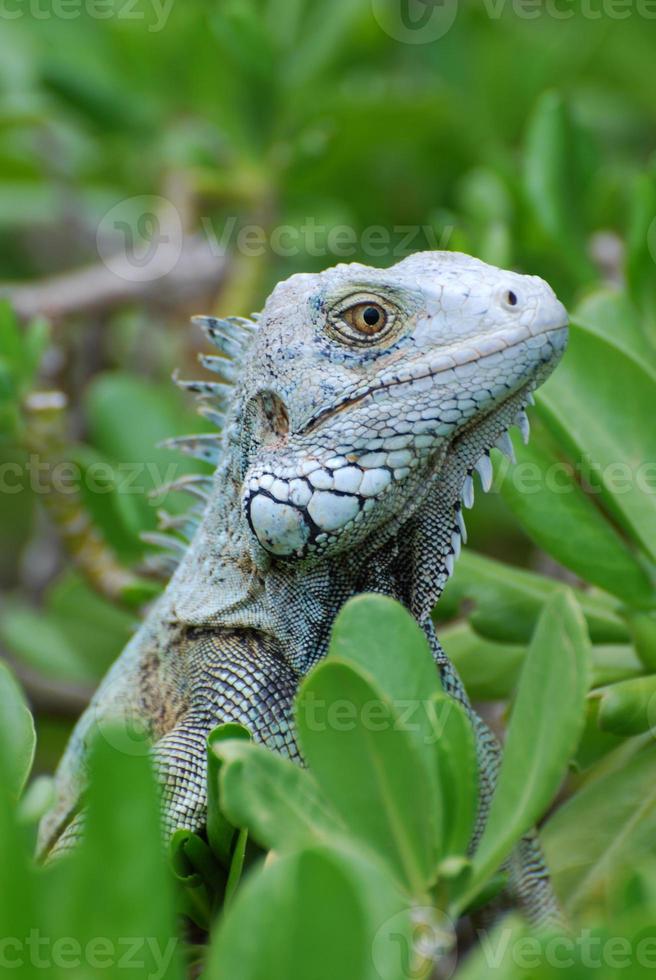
(176, 274)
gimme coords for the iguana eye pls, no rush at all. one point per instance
(366, 318)
(362, 321)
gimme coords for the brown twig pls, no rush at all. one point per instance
(175, 275)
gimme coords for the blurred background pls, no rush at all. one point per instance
(162, 158)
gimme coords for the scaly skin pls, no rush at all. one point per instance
(363, 401)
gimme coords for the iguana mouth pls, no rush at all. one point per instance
(444, 361)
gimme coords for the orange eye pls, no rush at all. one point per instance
(366, 318)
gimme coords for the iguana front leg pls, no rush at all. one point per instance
(213, 676)
(237, 677)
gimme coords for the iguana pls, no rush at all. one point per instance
(353, 412)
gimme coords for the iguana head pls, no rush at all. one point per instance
(364, 388)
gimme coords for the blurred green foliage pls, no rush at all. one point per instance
(304, 127)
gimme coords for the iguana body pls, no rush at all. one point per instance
(363, 401)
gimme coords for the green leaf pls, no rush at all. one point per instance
(494, 958)
(17, 899)
(643, 632)
(195, 899)
(552, 508)
(612, 663)
(17, 733)
(317, 913)
(555, 178)
(607, 826)
(237, 862)
(385, 795)
(488, 670)
(457, 767)
(610, 314)
(615, 443)
(377, 634)
(278, 801)
(642, 254)
(220, 831)
(546, 722)
(75, 637)
(122, 850)
(508, 601)
(629, 708)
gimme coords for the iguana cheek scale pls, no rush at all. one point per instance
(353, 413)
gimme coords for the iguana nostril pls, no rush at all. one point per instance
(512, 298)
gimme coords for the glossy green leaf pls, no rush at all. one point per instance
(275, 798)
(615, 444)
(457, 769)
(611, 314)
(548, 501)
(194, 898)
(16, 731)
(643, 632)
(385, 795)
(377, 634)
(629, 708)
(317, 913)
(545, 724)
(508, 601)
(220, 831)
(605, 828)
(237, 864)
(488, 670)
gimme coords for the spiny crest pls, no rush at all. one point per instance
(232, 337)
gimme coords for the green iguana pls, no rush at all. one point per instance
(353, 413)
